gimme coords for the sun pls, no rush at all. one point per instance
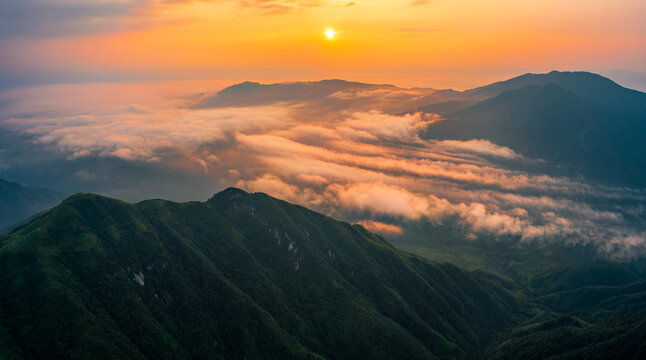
(329, 33)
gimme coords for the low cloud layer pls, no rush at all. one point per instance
(360, 160)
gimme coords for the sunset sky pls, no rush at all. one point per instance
(437, 43)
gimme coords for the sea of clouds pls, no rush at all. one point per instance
(354, 154)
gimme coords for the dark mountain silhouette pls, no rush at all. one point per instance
(580, 135)
(253, 93)
(18, 202)
(587, 85)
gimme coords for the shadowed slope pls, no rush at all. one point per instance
(17, 202)
(580, 135)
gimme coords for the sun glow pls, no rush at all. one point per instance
(329, 33)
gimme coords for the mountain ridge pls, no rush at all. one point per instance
(197, 276)
(549, 122)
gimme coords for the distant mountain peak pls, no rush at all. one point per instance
(585, 84)
(570, 80)
(250, 93)
(253, 85)
(240, 87)
(585, 124)
(230, 193)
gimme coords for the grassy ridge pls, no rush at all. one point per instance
(240, 276)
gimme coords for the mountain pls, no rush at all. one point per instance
(584, 84)
(595, 306)
(593, 290)
(629, 79)
(18, 202)
(252, 93)
(621, 336)
(587, 85)
(239, 276)
(579, 135)
(324, 97)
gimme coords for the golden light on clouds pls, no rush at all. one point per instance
(347, 151)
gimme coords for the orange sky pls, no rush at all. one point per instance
(441, 43)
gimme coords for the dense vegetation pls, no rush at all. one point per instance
(589, 307)
(621, 336)
(248, 276)
(240, 276)
(604, 314)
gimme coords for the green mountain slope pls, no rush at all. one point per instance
(593, 290)
(621, 336)
(592, 307)
(17, 202)
(240, 276)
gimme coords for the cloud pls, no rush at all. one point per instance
(280, 6)
(379, 227)
(383, 199)
(44, 18)
(48, 18)
(626, 245)
(480, 146)
(352, 160)
(272, 185)
(481, 220)
(381, 93)
(421, 2)
(378, 126)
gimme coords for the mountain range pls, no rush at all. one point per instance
(246, 275)
(252, 93)
(582, 123)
